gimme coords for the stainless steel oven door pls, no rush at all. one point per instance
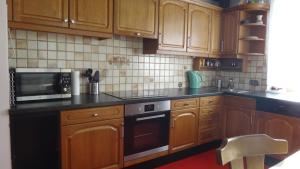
(146, 134)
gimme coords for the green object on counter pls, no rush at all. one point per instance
(195, 79)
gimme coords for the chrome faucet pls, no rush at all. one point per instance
(231, 85)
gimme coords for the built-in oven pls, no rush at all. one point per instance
(29, 84)
(146, 129)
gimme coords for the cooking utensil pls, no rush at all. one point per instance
(96, 77)
(88, 74)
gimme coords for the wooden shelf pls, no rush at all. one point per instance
(253, 25)
(252, 54)
(209, 68)
(252, 39)
(254, 7)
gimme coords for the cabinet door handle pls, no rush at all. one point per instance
(66, 20)
(222, 45)
(73, 21)
(122, 131)
(138, 34)
(96, 115)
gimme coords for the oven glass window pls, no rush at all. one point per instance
(145, 135)
(32, 84)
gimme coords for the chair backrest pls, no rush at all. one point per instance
(250, 149)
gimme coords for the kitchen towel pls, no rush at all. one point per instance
(75, 83)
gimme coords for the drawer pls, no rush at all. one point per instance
(208, 123)
(184, 103)
(92, 114)
(208, 135)
(237, 101)
(209, 112)
(211, 100)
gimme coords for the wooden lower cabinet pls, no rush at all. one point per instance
(94, 145)
(239, 121)
(183, 129)
(210, 124)
(92, 138)
(280, 127)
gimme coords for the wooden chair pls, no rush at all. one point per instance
(249, 151)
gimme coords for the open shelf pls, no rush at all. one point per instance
(254, 7)
(253, 24)
(252, 32)
(252, 54)
(252, 39)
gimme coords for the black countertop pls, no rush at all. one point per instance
(89, 101)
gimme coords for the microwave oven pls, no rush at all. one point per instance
(29, 84)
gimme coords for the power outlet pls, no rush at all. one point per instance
(254, 82)
(180, 84)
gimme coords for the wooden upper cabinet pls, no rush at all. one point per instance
(199, 29)
(9, 10)
(239, 121)
(136, 18)
(173, 25)
(92, 15)
(92, 145)
(215, 47)
(46, 12)
(184, 129)
(230, 33)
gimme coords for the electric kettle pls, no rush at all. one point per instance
(195, 79)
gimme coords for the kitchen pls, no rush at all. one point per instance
(142, 70)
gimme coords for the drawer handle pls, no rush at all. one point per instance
(96, 115)
(211, 101)
(185, 104)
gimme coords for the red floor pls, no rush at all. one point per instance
(205, 160)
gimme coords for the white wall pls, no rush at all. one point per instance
(5, 157)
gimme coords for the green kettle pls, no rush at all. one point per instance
(195, 79)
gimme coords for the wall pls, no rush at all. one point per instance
(5, 160)
(257, 70)
(120, 60)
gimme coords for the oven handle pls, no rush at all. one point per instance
(150, 117)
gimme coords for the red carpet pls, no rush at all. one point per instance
(205, 160)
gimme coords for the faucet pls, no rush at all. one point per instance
(231, 85)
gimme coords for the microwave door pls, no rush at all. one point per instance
(37, 84)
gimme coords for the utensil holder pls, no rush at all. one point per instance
(94, 88)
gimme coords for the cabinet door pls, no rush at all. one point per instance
(280, 127)
(9, 10)
(199, 29)
(92, 15)
(215, 34)
(46, 12)
(239, 121)
(95, 145)
(184, 129)
(173, 25)
(136, 18)
(230, 33)
(210, 124)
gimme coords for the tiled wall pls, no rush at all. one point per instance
(257, 70)
(120, 60)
